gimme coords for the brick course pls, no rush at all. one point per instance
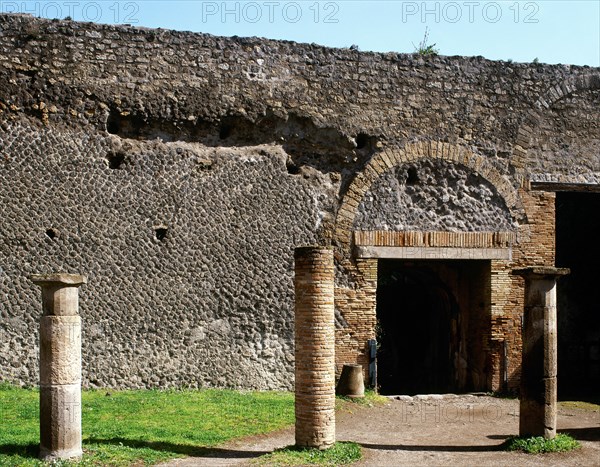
(315, 347)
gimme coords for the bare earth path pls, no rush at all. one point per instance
(429, 430)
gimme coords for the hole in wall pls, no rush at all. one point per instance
(204, 164)
(51, 234)
(292, 168)
(362, 140)
(115, 160)
(224, 131)
(413, 176)
(112, 124)
(160, 233)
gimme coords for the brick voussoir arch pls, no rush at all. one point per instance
(589, 82)
(412, 152)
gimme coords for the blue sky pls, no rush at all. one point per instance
(552, 31)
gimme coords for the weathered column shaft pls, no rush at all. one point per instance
(539, 369)
(60, 366)
(315, 347)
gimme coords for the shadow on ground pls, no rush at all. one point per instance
(32, 450)
(185, 449)
(583, 434)
(23, 450)
(432, 448)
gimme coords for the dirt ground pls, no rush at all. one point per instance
(430, 430)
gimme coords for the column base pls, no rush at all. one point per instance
(48, 455)
(60, 420)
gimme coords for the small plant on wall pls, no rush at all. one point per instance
(424, 48)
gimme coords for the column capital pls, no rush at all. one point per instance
(541, 272)
(58, 279)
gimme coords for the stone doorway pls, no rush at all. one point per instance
(433, 322)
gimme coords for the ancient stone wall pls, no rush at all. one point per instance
(432, 196)
(188, 252)
(178, 171)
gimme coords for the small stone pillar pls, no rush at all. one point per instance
(60, 366)
(351, 382)
(315, 347)
(537, 415)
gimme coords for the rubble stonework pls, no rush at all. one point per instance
(432, 195)
(178, 171)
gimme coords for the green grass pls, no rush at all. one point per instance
(340, 453)
(371, 399)
(538, 444)
(146, 426)
(579, 405)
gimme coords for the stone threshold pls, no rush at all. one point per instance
(437, 397)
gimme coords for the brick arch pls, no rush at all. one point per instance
(546, 101)
(412, 152)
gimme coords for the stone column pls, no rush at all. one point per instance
(60, 366)
(315, 347)
(537, 415)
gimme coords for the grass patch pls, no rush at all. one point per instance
(371, 399)
(144, 427)
(579, 405)
(538, 444)
(341, 453)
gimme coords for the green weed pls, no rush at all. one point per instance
(424, 48)
(539, 444)
(341, 453)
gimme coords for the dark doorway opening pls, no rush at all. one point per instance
(432, 319)
(415, 310)
(577, 224)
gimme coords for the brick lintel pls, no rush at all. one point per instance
(435, 239)
(565, 186)
(422, 252)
